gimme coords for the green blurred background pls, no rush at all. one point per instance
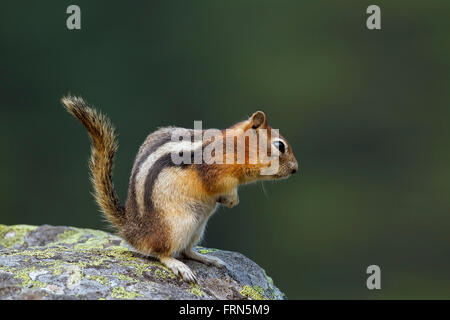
(366, 112)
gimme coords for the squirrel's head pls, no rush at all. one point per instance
(272, 154)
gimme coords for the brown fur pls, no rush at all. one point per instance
(101, 164)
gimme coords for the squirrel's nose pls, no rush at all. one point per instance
(294, 168)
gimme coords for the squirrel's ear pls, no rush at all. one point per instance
(258, 120)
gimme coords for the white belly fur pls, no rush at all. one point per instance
(184, 208)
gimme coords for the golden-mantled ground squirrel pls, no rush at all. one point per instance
(169, 203)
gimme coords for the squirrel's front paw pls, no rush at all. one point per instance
(229, 200)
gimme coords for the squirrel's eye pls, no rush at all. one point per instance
(280, 146)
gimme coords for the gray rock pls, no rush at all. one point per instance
(50, 262)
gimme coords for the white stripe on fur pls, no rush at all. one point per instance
(147, 165)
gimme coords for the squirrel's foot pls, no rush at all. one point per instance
(190, 254)
(229, 200)
(179, 268)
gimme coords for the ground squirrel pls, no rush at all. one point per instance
(169, 203)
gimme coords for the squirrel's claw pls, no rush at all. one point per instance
(229, 201)
(179, 269)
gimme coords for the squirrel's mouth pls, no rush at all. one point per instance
(286, 174)
(276, 176)
(281, 177)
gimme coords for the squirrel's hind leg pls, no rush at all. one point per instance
(191, 254)
(179, 268)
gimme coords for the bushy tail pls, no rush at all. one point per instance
(104, 147)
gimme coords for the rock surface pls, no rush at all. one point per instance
(50, 262)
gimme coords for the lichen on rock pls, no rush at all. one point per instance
(50, 262)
